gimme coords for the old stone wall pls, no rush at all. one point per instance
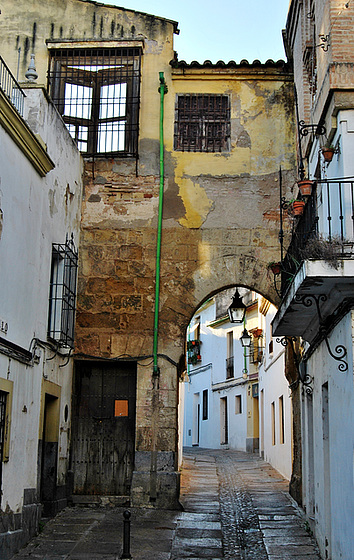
(220, 229)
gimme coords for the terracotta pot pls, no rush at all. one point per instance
(297, 207)
(305, 187)
(275, 267)
(327, 154)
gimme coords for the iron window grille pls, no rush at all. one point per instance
(202, 123)
(62, 297)
(97, 93)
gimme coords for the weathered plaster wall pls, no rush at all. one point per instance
(221, 225)
(31, 27)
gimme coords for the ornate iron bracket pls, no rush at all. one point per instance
(340, 350)
(325, 44)
(316, 129)
(302, 375)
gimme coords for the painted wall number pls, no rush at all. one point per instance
(4, 327)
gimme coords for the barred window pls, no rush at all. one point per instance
(97, 93)
(62, 297)
(202, 123)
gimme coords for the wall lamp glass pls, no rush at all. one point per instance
(245, 339)
(237, 309)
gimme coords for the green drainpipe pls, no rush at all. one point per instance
(156, 372)
(162, 91)
(245, 353)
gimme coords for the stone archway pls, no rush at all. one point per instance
(116, 293)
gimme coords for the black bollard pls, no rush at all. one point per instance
(126, 535)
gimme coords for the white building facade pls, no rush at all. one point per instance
(317, 305)
(275, 404)
(216, 382)
(40, 202)
(231, 390)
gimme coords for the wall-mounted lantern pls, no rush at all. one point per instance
(245, 339)
(237, 309)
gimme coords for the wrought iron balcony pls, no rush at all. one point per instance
(230, 368)
(325, 231)
(317, 278)
(11, 88)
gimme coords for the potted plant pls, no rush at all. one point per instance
(327, 152)
(275, 267)
(297, 207)
(305, 187)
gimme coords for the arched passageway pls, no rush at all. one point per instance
(234, 394)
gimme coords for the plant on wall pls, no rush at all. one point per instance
(193, 351)
(320, 248)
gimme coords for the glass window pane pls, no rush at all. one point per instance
(78, 101)
(71, 129)
(82, 146)
(83, 133)
(111, 137)
(113, 101)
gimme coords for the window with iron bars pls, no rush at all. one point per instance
(62, 297)
(97, 93)
(202, 123)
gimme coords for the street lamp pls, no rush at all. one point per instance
(245, 339)
(237, 309)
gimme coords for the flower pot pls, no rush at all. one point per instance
(327, 154)
(297, 207)
(275, 267)
(305, 187)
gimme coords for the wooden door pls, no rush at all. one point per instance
(103, 440)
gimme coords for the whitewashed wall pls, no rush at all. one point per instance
(36, 212)
(210, 374)
(329, 442)
(272, 386)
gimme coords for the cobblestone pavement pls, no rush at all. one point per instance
(259, 520)
(84, 533)
(236, 507)
(198, 533)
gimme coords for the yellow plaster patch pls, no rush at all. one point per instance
(196, 203)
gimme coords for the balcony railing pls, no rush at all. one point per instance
(230, 367)
(324, 231)
(11, 88)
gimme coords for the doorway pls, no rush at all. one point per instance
(196, 420)
(49, 454)
(103, 443)
(224, 427)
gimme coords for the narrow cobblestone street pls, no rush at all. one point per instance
(235, 506)
(259, 520)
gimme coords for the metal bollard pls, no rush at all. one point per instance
(126, 535)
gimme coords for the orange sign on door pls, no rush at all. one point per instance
(120, 408)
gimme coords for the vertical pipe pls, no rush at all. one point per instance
(301, 162)
(281, 231)
(156, 372)
(162, 91)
